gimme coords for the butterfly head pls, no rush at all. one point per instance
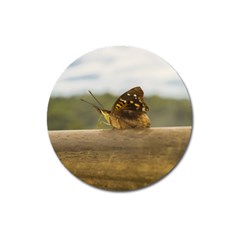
(105, 113)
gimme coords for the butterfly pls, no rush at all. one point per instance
(129, 111)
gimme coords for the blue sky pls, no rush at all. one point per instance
(116, 70)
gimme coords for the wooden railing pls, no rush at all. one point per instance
(121, 160)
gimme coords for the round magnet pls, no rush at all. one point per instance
(120, 118)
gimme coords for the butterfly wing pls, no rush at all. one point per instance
(130, 100)
(129, 111)
(130, 119)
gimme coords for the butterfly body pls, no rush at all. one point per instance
(129, 111)
(130, 120)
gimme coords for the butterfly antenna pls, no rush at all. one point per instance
(91, 104)
(96, 99)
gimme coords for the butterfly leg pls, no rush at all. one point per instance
(100, 122)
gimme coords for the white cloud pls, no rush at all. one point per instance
(118, 69)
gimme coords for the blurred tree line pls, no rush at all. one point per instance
(72, 113)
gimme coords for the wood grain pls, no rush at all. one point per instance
(121, 160)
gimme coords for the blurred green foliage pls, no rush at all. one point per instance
(72, 113)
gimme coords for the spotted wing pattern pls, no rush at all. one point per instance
(130, 100)
(129, 111)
